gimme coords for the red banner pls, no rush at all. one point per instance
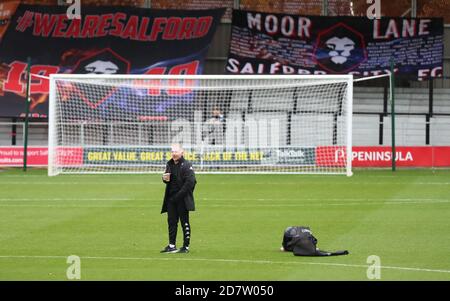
(363, 156)
(381, 156)
(38, 156)
(13, 156)
(441, 156)
(69, 156)
(331, 156)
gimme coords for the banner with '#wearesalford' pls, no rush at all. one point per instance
(105, 40)
(267, 43)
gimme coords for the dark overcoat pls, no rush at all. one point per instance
(187, 183)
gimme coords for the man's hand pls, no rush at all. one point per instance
(166, 177)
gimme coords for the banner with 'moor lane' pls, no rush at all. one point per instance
(268, 43)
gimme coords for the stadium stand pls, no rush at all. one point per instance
(421, 119)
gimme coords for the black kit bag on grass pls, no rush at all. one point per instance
(301, 242)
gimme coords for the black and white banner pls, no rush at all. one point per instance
(264, 43)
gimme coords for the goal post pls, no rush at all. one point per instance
(226, 123)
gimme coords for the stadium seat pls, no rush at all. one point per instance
(410, 130)
(411, 100)
(266, 129)
(366, 130)
(368, 100)
(234, 128)
(274, 101)
(237, 100)
(306, 128)
(441, 101)
(440, 130)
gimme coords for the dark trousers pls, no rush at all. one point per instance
(177, 211)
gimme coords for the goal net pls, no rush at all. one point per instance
(226, 124)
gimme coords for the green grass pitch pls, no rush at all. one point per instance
(113, 223)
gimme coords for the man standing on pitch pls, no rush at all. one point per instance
(180, 181)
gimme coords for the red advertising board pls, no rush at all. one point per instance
(331, 156)
(13, 156)
(69, 156)
(38, 156)
(363, 156)
(441, 156)
(381, 156)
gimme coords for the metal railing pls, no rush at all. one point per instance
(12, 133)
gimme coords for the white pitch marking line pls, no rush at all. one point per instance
(229, 261)
(76, 183)
(331, 200)
(228, 183)
(78, 206)
(59, 199)
(300, 201)
(228, 205)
